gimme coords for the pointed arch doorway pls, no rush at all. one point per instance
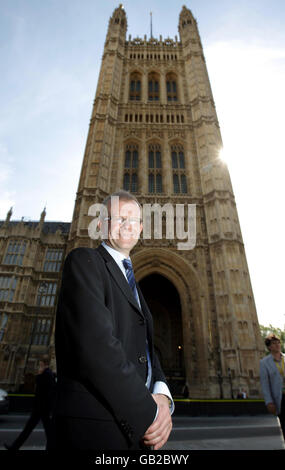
(164, 303)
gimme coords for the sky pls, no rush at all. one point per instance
(51, 55)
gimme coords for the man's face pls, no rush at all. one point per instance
(124, 226)
(275, 346)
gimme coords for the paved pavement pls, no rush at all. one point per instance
(260, 432)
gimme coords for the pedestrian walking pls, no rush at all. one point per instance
(42, 407)
(272, 377)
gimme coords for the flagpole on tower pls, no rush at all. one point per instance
(151, 25)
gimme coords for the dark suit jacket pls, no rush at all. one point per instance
(100, 344)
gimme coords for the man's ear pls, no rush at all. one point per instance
(103, 228)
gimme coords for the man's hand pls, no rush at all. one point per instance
(158, 432)
(271, 408)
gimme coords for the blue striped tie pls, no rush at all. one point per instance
(132, 283)
(131, 277)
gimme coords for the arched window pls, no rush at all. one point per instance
(171, 87)
(135, 87)
(15, 252)
(153, 87)
(178, 169)
(130, 180)
(154, 169)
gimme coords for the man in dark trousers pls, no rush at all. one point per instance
(43, 404)
(112, 393)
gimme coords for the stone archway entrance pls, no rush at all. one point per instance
(164, 302)
(176, 288)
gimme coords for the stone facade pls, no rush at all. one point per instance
(31, 255)
(154, 131)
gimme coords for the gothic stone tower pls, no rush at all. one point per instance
(154, 131)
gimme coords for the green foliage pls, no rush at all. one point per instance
(265, 330)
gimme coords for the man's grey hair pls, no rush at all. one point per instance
(123, 196)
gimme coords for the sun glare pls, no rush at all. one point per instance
(222, 155)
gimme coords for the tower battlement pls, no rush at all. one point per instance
(152, 42)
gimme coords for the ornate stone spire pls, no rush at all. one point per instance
(8, 217)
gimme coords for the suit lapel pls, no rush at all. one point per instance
(272, 363)
(118, 277)
(148, 318)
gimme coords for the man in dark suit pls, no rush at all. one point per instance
(112, 393)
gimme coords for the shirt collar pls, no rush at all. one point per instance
(117, 255)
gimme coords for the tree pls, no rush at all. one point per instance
(265, 330)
